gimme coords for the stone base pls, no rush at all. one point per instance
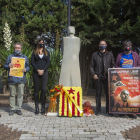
(91, 115)
(52, 114)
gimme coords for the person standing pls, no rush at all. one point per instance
(128, 59)
(16, 84)
(40, 61)
(100, 62)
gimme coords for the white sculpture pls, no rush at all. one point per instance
(70, 69)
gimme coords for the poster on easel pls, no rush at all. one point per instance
(124, 90)
(19, 63)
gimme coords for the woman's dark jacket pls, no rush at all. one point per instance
(40, 64)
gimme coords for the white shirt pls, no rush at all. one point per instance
(41, 56)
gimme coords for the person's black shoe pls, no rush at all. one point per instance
(43, 110)
(36, 110)
(36, 98)
(97, 113)
(11, 112)
(132, 116)
(19, 112)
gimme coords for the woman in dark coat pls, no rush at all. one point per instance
(40, 61)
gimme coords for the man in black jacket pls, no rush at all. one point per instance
(100, 62)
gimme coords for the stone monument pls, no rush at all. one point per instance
(70, 69)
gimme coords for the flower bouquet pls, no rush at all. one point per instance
(53, 94)
(87, 109)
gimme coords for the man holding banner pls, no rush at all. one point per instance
(18, 65)
(128, 59)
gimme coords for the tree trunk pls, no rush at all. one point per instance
(84, 67)
(85, 58)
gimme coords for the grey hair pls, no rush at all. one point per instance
(18, 44)
(127, 42)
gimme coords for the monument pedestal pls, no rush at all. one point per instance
(52, 114)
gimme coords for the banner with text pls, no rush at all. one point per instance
(124, 90)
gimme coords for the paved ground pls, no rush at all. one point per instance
(102, 127)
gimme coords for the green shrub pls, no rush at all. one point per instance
(54, 69)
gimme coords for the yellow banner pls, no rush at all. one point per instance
(19, 63)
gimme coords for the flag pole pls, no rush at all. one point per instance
(69, 13)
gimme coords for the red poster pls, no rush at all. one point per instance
(124, 90)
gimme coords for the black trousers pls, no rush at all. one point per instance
(98, 87)
(43, 79)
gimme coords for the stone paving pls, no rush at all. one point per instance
(38, 127)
